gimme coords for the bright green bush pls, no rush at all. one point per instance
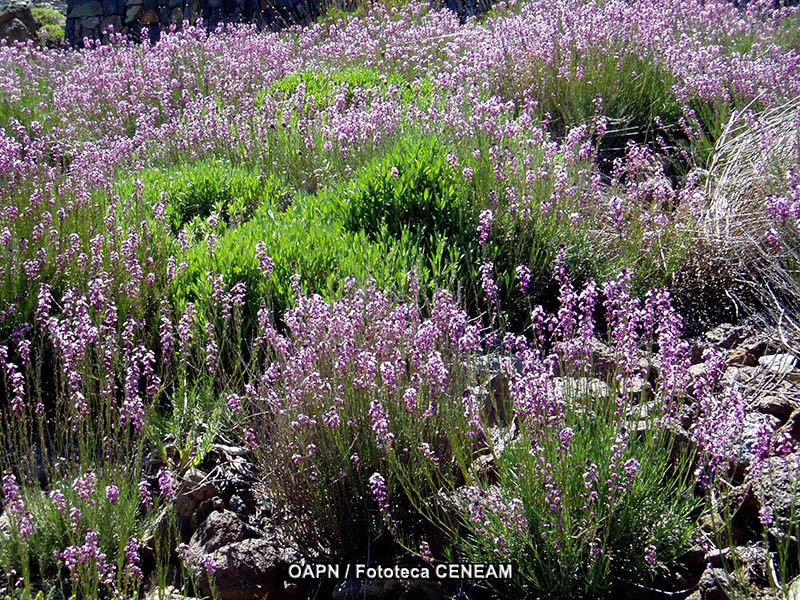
(198, 190)
(50, 24)
(321, 87)
(411, 188)
(307, 239)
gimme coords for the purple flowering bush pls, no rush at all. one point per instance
(586, 490)
(214, 234)
(362, 411)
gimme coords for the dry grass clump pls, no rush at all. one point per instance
(750, 256)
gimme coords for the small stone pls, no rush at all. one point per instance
(133, 13)
(5, 524)
(777, 406)
(741, 356)
(715, 584)
(790, 430)
(168, 593)
(781, 364)
(87, 9)
(694, 558)
(725, 336)
(794, 589)
(90, 23)
(194, 500)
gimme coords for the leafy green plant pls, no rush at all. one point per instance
(321, 87)
(411, 188)
(50, 24)
(198, 190)
(308, 240)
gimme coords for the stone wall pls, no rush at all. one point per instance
(94, 18)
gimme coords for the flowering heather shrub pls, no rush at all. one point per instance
(118, 305)
(361, 408)
(79, 537)
(586, 491)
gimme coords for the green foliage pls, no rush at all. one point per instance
(47, 16)
(321, 87)
(414, 189)
(307, 239)
(198, 190)
(52, 35)
(50, 24)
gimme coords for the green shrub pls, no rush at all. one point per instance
(414, 189)
(309, 240)
(50, 24)
(198, 190)
(321, 87)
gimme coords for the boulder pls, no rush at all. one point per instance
(234, 560)
(248, 570)
(221, 528)
(16, 21)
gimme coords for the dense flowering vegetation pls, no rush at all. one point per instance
(416, 267)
